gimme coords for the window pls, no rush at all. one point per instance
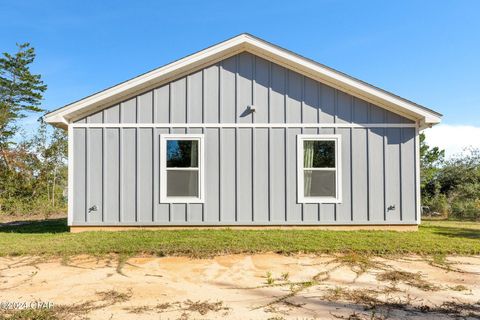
(318, 161)
(181, 168)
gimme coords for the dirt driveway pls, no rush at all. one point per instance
(263, 286)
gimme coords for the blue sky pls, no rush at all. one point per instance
(426, 51)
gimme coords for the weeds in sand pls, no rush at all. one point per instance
(358, 263)
(270, 280)
(285, 276)
(203, 307)
(359, 316)
(370, 299)
(30, 314)
(67, 312)
(334, 294)
(122, 260)
(295, 288)
(139, 310)
(454, 308)
(440, 261)
(114, 296)
(412, 279)
(459, 287)
(163, 306)
(67, 261)
(200, 307)
(153, 275)
(364, 297)
(183, 316)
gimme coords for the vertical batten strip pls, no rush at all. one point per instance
(154, 173)
(103, 171)
(187, 106)
(252, 135)
(319, 93)
(350, 131)
(285, 143)
(154, 152)
(384, 172)
(302, 104)
(136, 160)
(204, 133)
(335, 112)
(169, 204)
(203, 95)
(220, 194)
(367, 146)
(269, 203)
(269, 91)
(120, 165)
(169, 132)
(400, 174)
(220, 175)
(103, 168)
(236, 174)
(187, 205)
(87, 172)
(203, 175)
(236, 138)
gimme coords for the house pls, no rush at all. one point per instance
(243, 133)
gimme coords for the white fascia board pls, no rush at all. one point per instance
(65, 114)
(339, 80)
(232, 46)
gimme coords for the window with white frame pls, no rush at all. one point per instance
(319, 162)
(181, 168)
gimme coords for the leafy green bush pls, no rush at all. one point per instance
(438, 203)
(450, 187)
(38, 206)
(454, 189)
(466, 209)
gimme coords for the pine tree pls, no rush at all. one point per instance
(21, 92)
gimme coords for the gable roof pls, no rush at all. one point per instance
(243, 42)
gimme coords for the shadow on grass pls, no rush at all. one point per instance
(35, 226)
(456, 232)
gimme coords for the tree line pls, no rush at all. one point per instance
(450, 186)
(33, 169)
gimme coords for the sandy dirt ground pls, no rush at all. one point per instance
(263, 286)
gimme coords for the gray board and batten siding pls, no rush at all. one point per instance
(250, 171)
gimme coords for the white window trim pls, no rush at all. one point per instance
(338, 167)
(163, 169)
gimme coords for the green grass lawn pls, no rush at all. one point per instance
(51, 238)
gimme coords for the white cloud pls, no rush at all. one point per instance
(453, 138)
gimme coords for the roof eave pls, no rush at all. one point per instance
(244, 42)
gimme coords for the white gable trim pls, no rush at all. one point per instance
(244, 42)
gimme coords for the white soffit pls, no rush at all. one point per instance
(244, 42)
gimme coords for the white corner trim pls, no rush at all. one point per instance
(163, 168)
(417, 175)
(70, 177)
(338, 168)
(243, 42)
